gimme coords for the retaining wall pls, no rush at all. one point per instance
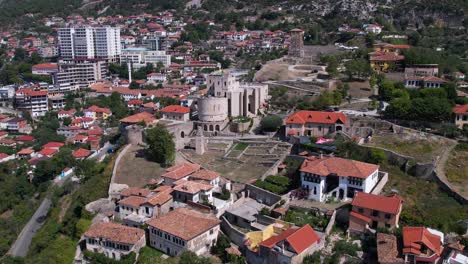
(265, 196)
(235, 235)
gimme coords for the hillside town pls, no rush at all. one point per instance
(163, 137)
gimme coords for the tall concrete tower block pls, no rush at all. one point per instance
(296, 43)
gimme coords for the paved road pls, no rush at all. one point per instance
(21, 245)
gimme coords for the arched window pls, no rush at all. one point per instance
(217, 127)
(211, 127)
(182, 134)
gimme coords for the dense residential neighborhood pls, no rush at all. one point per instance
(233, 132)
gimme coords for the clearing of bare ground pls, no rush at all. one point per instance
(135, 170)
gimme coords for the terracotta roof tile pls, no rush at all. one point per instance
(48, 151)
(81, 153)
(146, 117)
(302, 117)
(339, 166)
(184, 223)
(134, 201)
(192, 187)
(175, 109)
(180, 171)
(413, 236)
(207, 175)
(53, 145)
(134, 191)
(298, 238)
(115, 232)
(387, 204)
(460, 109)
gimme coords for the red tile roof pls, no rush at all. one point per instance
(175, 109)
(387, 204)
(134, 191)
(115, 232)
(3, 155)
(26, 151)
(298, 238)
(81, 153)
(146, 117)
(134, 201)
(46, 66)
(207, 175)
(184, 223)
(180, 171)
(460, 109)
(302, 117)
(413, 237)
(338, 166)
(360, 216)
(53, 144)
(48, 151)
(192, 187)
(135, 102)
(97, 109)
(25, 138)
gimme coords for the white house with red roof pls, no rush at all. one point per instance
(176, 112)
(323, 178)
(314, 123)
(97, 112)
(370, 211)
(66, 113)
(461, 115)
(81, 153)
(183, 230)
(114, 240)
(179, 172)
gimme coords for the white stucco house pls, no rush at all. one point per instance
(323, 178)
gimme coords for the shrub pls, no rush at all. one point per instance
(278, 180)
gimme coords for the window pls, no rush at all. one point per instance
(388, 216)
(387, 225)
(375, 213)
(211, 231)
(361, 210)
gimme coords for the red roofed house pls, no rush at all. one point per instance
(337, 178)
(97, 112)
(35, 102)
(178, 172)
(66, 114)
(289, 246)
(53, 145)
(5, 157)
(183, 230)
(25, 153)
(81, 153)
(461, 115)
(421, 245)
(134, 103)
(314, 123)
(374, 211)
(176, 112)
(139, 205)
(424, 82)
(114, 240)
(47, 152)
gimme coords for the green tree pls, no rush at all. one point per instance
(271, 123)
(161, 146)
(359, 68)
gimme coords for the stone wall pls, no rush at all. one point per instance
(259, 194)
(229, 230)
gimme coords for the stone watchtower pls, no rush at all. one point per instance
(296, 43)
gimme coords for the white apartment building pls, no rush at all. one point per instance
(139, 57)
(89, 43)
(183, 230)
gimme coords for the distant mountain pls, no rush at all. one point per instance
(447, 12)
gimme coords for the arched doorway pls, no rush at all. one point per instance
(211, 127)
(217, 127)
(205, 127)
(341, 194)
(182, 134)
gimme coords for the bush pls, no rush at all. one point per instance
(271, 123)
(377, 156)
(271, 187)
